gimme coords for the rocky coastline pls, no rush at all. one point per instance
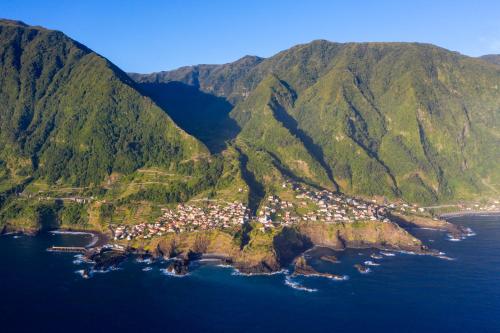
(266, 252)
(302, 268)
(409, 222)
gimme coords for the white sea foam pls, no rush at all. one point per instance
(297, 286)
(79, 259)
(446, 258)
(334, 277)
(144, 261)
(376, 256)
(102, 271)
(387, 254)
(166, 272)
(147, 269)
(371, 263)
(68, 232)
(407, 252)
(337, 277)
(469, 232)
(81, 272)
(452, 238)
(237, 272)
(209, 260)
(94, 240)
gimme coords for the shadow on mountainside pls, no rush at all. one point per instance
(202, 115)
(291, 124)
(257, 191)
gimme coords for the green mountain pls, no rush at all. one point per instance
(376, 119)
(399, 120)
(70, 116)
(492, 58)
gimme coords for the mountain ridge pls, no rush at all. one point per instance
(66, 87)
(361, 81)
(398, 120)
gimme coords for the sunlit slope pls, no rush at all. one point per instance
(69, 115)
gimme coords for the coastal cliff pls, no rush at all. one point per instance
(271, 250)
(415, 221)
(361, 234)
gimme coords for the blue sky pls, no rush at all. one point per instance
(146, 36)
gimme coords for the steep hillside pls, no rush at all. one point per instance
(492, 58)
(70, 116)
(220, 80)
(394, 119)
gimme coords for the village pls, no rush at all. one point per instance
(187, 218)
(309, 205)
(327, 207)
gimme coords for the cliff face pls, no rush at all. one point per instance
(361, 234)
(426, 222)
(270, 251)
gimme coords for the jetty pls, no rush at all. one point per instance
(69, 249)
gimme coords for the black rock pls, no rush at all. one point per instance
(178, 267)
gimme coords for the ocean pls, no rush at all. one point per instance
(43, 291)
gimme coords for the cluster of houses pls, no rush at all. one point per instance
(186, 218)
(488, 207)
(328, 207)
(307, 205)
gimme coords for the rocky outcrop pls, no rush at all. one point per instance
(330, 259)
(303, 268)
(178, 266)
(414, 221)
(361, 234)
(290, 243)
(272, 250)
(262, 267)
(362, 269)
(7, 229)
(106, 258)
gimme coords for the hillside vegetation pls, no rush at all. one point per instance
(83, 144)
(389, 119)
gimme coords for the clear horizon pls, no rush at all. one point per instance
(159, 36)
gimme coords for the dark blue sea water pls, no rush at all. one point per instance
(40, 292)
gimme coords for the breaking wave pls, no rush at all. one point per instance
(237, 272)
(298, 286)
(371, 263)
(167, 273)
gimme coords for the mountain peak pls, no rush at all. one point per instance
(13, 22)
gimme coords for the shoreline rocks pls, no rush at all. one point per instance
(304, 269)
(426, 222)
(106, 258)
(330, 258)
(178, 266)
(362, 269)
